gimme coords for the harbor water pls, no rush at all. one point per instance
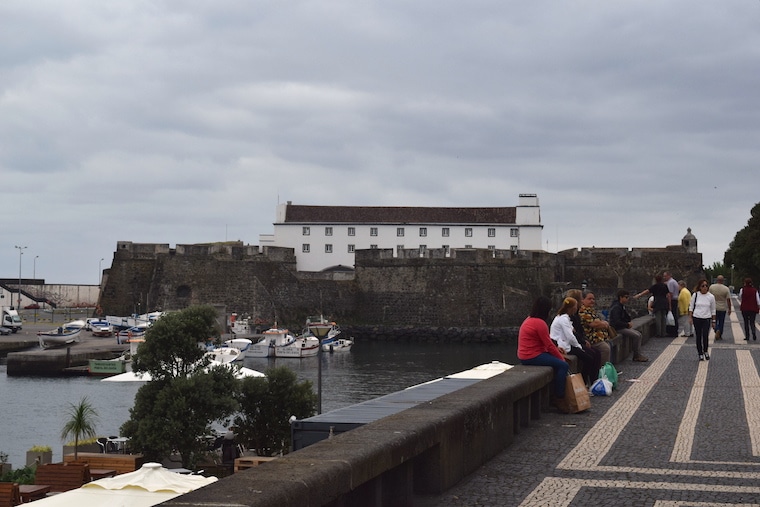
(34, 409)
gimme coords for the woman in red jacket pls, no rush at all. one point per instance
(750, 305)
(535, 347)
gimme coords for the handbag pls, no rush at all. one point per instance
(577, 398)
(670, 320)
(611, 333)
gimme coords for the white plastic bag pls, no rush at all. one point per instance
(670, 320)
(601, 387)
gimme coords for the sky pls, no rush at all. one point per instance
(187, 122)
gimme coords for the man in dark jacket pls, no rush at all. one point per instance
(620, 319)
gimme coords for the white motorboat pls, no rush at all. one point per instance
(62, 335)
(244, 344)
(224, 355)
(266, 346)
(125, 335)
(337, 345)
(305, 345)
(101, 328)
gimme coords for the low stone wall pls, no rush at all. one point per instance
(425, 449)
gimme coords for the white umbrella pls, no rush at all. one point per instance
(150, 485)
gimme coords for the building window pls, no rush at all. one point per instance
(351, 248)
(513, 248)
(352, 231)
(468, 232)
(491, 232)
(492, 247)
(328, 248)
(373, 231)
(399, 249)
(328, 231)
(306, 231)
(373, 247)
(305, 248)
(446, 249)
(400, 232)
(513, 232)
(445, 232)
(468, 246)
(423, 249)
(423, 232)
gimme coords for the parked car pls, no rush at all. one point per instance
(33, 306)
(5, 330)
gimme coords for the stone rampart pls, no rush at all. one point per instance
(469, 288)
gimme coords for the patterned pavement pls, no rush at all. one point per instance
(678, 432)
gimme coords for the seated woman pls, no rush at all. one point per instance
(561, 331)
(535, 347)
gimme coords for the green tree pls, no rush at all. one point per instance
(266, 405)
(744, 251)
(171, 343)
(185, 397)
(81, 423)
(717, 268)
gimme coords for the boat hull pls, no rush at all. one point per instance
(301, 347)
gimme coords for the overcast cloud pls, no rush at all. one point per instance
(186, 122)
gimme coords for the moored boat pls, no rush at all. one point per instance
(101, 328)
(244, 344)
(305, 345)
(266, 346)
(124, 336)
(62, 335)
(224, 355)
(337, 345)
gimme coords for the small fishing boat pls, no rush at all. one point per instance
(305, 345)
(101, 328)
(135, 332)
(266, 346)
(244, 344)
(224, 355)
(337, 345)
(62, 335)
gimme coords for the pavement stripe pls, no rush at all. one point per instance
(597, 442)
(750, 382)
(685, 437)
(557, 492)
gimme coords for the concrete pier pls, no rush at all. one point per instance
(25, 357)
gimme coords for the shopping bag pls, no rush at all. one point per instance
(670, 320)
(576, 394)
(601, 387)
(609, 372)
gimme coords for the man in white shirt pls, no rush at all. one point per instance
(675, 291)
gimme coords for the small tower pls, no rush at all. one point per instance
(689, 242)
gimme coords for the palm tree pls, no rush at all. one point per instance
(81, 423)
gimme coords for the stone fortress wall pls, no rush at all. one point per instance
(471, 288)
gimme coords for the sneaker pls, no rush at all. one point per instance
(640, 359)
(701, 357)
(707, 356)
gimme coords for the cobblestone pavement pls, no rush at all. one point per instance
(678, 432)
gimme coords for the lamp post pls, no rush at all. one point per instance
(34, 280)
(20, 253)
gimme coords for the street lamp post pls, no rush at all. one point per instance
(34, 281)
(20, 253)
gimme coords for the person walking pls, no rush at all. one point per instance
(620, 319)
(722, 304)
(660, 306)
(684, 298)
(674, 290)
(702, 314)
(749, 304)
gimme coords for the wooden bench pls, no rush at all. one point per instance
(122, 463)
(9, 494)
(62, 476)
